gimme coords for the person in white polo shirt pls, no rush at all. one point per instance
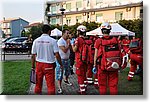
(44, 51)
(64, 51)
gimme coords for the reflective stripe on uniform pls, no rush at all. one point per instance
(96, 79)
(95, 82)
(82, 89)
(130, 75)
(89, 78)
(90, 82)
(81, 85)
(48, 68)
(131, 72)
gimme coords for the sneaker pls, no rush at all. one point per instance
(68, 83)
(60, 91)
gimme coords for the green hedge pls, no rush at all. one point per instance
(132, 25)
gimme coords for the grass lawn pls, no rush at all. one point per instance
(16, 77)
(16, 80)
(126, 87)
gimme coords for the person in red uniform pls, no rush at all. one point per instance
(107, 78)
(90, 61)
(125, 44)
(80, 66)
(44, 51)
(136, 56)
(89, 72)
(124, 49)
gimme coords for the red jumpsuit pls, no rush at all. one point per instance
(106, 78)
(80, 66)
(136, 56)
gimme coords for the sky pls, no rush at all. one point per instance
(29, 10)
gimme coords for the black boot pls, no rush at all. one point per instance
(72, 72)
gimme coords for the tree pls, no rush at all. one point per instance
(135, 25)
(36, 31)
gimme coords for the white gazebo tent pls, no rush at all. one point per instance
(115, 31)
(96, 31)
(119, 30)
(56, 32)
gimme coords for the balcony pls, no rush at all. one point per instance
(99, 7)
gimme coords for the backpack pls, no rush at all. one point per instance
(135, 46)
(109, 54)
(91, 51)
(83, 51)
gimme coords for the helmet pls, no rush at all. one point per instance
(105, 27)
(81, 28)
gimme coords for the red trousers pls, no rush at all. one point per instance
(47, 70)
(81, 75)
(136, 59)
(110, 79)
(89, 73)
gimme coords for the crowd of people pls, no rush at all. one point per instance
(97, 60)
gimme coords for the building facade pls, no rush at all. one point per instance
(77, 11)
(28, 27)
(13, 27)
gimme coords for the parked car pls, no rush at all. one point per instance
(6, 39)
(17, 42)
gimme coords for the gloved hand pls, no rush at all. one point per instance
(94, 70)
(72, 41)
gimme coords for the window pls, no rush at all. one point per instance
(88, 3)
(141, 13)
(53, 21)
(118, 16)
(68, 20)
(6, 25)
(99, 1)
(68, 6)
(99, 17)
(78, 19)
(53, 9)
(78, 4)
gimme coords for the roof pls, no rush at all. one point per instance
(11, 19)
(32, 25)
(56, 1)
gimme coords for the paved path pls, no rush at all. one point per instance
(67, 90)
(15, 57)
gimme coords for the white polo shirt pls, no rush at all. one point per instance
(44, 47)
(62, 42)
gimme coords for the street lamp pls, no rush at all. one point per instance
(62, 12)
